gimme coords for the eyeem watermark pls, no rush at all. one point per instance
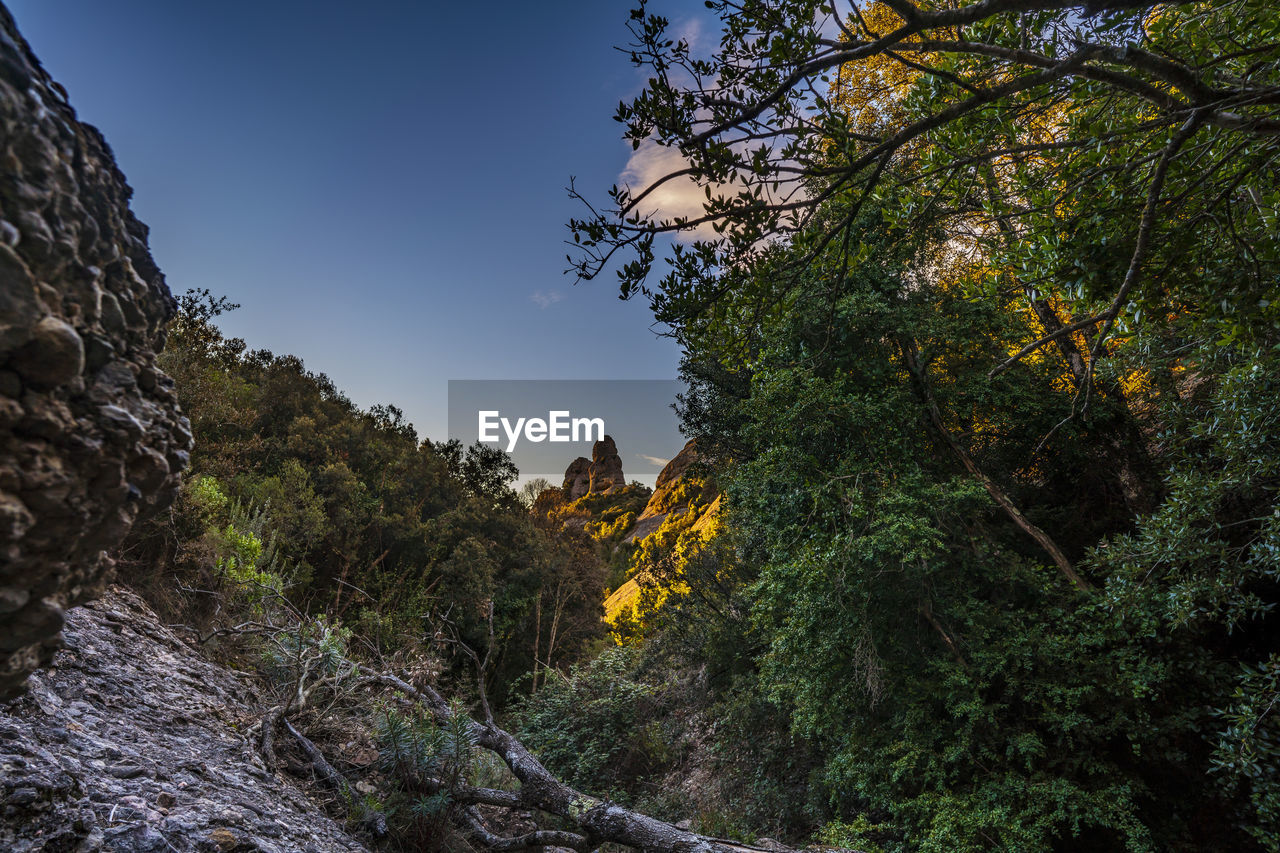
(545, 424)
(559, 426)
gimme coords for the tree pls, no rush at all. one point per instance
(979, 349)
(1042, 120)
(529, 491)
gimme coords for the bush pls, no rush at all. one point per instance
(590, 727)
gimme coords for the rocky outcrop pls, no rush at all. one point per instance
(675, 469)
(577, 478)
(90, 433)
(606, 466)
(601, 473)
(664, 501)
(132, 742)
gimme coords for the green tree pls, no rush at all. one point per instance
(980, 354)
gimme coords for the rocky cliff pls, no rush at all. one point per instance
(599, 474)
(132, 742)
(90, 433)
(665, 499)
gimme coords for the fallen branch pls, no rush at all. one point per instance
(323, 769)
(266, 743)
(474, 824)
(596, 821)
(375, 820)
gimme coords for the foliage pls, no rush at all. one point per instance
(242, 541)
(983, 354)
(1249, 743)
(427, 762)
(402, 539)
(588, 727)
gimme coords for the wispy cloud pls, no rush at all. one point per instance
(677, 197)
(690, 30)
(547, 298)
(657, 461)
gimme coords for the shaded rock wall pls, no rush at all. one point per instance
(577, 478)
(90, 433)
(132, 742)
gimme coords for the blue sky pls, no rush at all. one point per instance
(380, 185)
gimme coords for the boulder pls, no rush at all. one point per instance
(601, 473)
(91, 437)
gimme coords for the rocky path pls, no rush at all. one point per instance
(131, 741)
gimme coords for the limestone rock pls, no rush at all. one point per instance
(601, 473)
(577, 478)
(132, 742)
(675, 469)
(606, 466)
(663, 502)
(90, 433)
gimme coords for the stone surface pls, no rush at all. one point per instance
(90, 433)
(132, 742)
(663, 501)
(577, 478)
(606, 466)
(601, 473)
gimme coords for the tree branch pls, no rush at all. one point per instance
(935, 414)
(597, 820)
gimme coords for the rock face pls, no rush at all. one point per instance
(131, 742)
(606, 466)
(674, 470)
(600, 473)
(662, 502)
(90, 432)
(577, 478)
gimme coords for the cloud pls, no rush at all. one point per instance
(677, 197)
(657, 461)
(682, 196)
(547, 298)
(690, 30)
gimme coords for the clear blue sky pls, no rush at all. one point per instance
(380, 184)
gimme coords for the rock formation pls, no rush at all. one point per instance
(601, 473)
(606, 466)
(577, 478)
(132, 742)
(90, 432)
(663, 502)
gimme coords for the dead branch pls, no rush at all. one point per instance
(266, 743)
(376, 821)
(533, 840)
(596, 820)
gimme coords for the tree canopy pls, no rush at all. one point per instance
(980, 331)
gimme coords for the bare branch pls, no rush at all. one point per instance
(1049, 338)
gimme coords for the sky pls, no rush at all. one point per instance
(380, 185)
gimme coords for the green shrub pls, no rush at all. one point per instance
(591, 728)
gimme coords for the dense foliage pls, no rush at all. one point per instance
(983, 363)
(407, 541)
(985, 355)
